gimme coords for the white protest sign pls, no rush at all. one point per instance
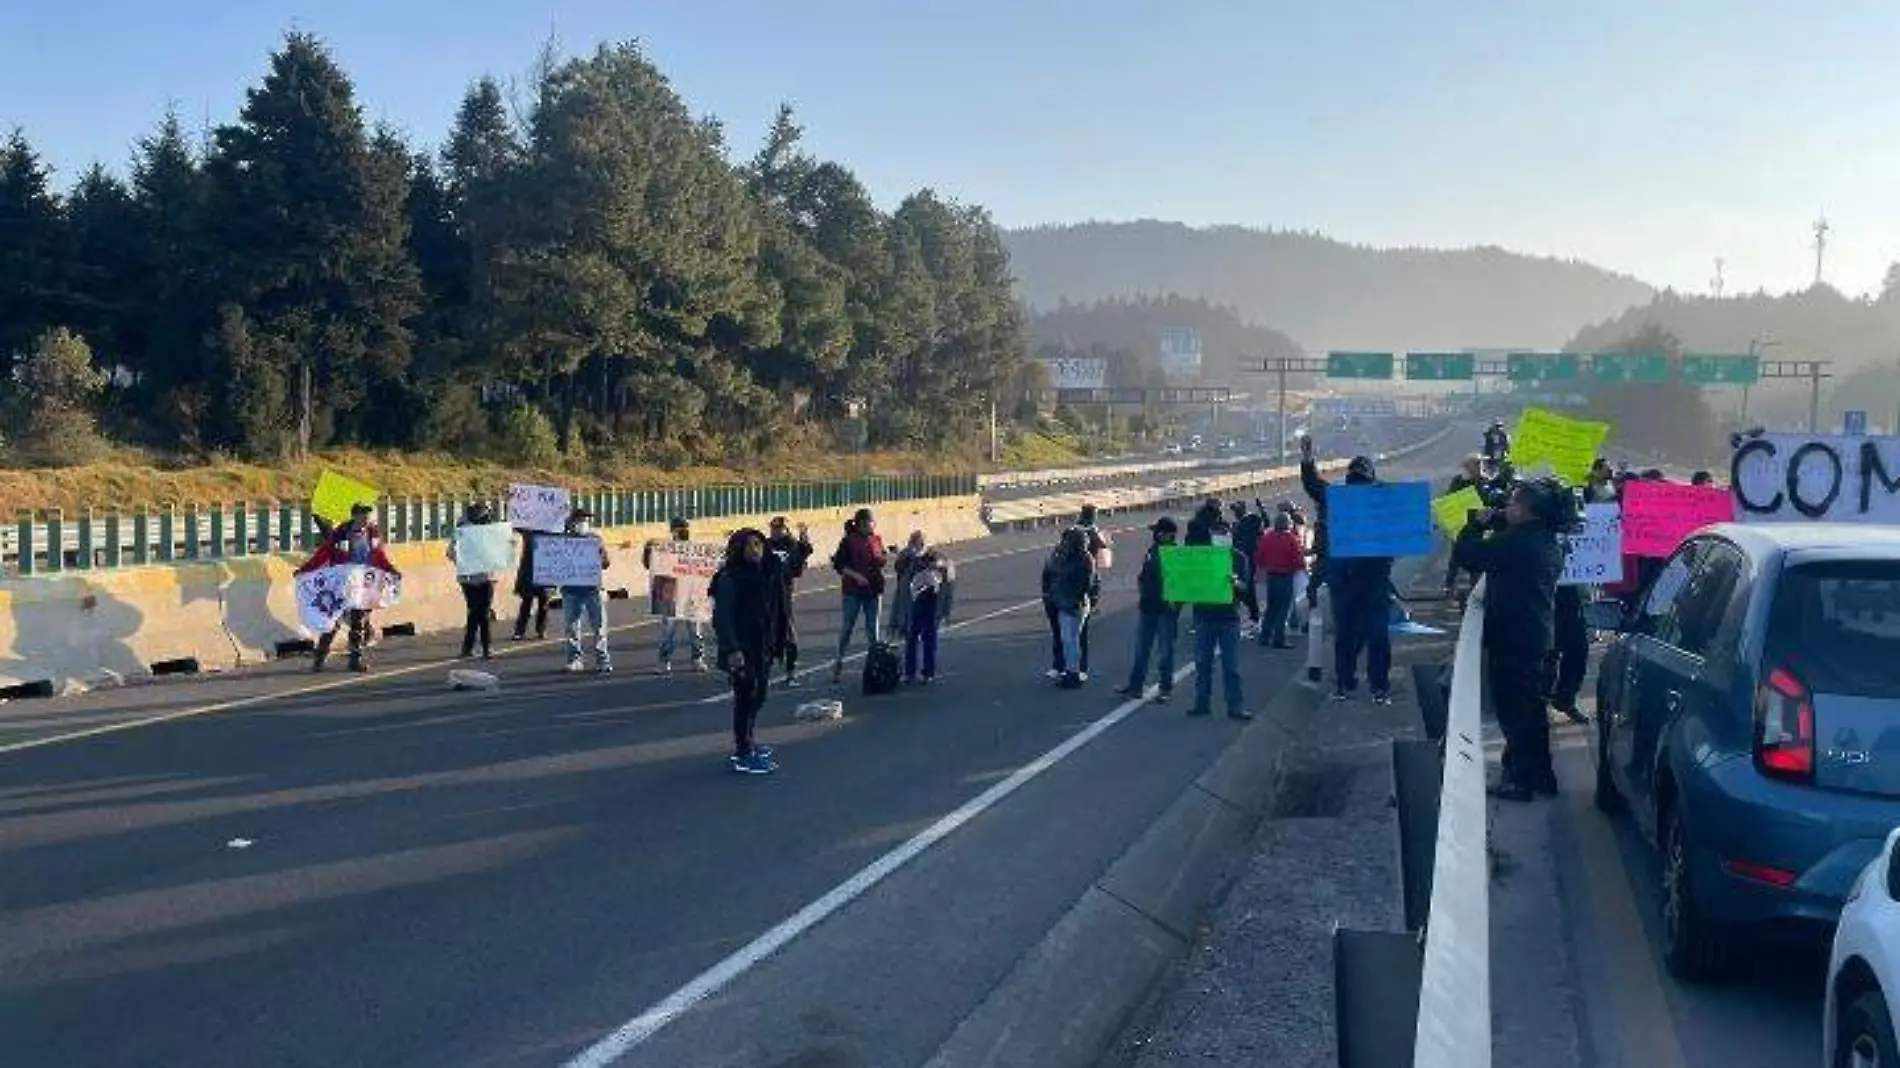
(682, 578)
(1596, 555)
(543, 508)
(1835, 478)
(483, 549)
(325, 594)
(567, 561)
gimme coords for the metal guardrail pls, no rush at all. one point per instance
(50, 542)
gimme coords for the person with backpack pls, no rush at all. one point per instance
(1067, 578)
(751, 612)
(1160, 621)
(793, 554)
(478, 591)
(859, 561)
(670, 622)
(928, 580)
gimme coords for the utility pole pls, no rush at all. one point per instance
(1716, 285)
(1281, 434)
(1821, 230)
(1814, 397)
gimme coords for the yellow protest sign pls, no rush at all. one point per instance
(1451, 510)
(336, 494)
(1568, 446)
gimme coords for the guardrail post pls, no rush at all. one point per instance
(115, 548)
(286, 528)
(55, 542)
(23, 522)
(141, 536)
(417, 532)
(167, 534)
(306, 529)
(83, 560)
(191, 532)
(217, 531)
(262, 518)
(241, 529)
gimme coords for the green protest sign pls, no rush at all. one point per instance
(1197, 574)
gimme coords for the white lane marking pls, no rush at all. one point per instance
(644, 1026)
(855, 657)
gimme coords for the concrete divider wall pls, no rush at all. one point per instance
(64, 633)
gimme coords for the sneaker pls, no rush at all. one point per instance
(1071, 682)
(1572, 713)
(764, 751)
(1161, 697)
(517, 637)
(1342, 695)
(1198, 710)
(1053, 674)
(574, 666)
(925, 680)
(604, 669)
(753, 764)
(791, 682)
(1382, 697)
(1084, 676)
(665, 667)
(1240, 715)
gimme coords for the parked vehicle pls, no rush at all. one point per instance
(1863, 974)
(1749, 721)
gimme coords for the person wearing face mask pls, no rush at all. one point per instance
(478, 591)
(751, 611)
(1160, 621)
(671, 625)
(583, 605)
(859, 561)
(356, 542)
(1518, 550)
(793, 554)
(903, 569)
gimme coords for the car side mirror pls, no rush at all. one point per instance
(1605, 615)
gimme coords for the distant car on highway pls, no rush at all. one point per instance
(1863, 974)
(1749, 721)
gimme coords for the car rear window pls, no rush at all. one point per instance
(1838, 626)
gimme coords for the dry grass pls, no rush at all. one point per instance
(129, 479)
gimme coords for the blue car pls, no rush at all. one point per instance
(1749, 721)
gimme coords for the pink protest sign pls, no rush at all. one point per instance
(1658, 515)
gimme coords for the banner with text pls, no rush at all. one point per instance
(1595, 557)
(1077, 372)
(542, 508)
(1657, 516)
(1381, 519)
(325, 594)
(1835, 478)
(1567, 446)
(682, 579)
(567, 561)
(1197, 574)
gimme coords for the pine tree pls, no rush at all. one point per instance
(33, 259)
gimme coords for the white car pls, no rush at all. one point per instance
(1863, 974)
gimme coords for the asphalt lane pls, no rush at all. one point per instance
(388, 873)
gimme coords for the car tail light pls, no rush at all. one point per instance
(1761, 873)
(1784, 728)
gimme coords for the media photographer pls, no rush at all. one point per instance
(1520, 547)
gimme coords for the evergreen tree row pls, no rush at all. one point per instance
(580, 269)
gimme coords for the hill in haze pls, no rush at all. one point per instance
(1324, 293)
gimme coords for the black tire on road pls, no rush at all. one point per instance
(1694, 950)
(1608, 800)
(1865, 1039)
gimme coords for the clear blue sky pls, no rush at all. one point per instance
(1649, 136)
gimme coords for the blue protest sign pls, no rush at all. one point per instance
(1382, 519)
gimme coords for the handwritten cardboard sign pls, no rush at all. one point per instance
(1567, 446)
(1657, 516)
(1834, 478)
(543, 508)
(681, 582)
(336, 494)
(1452, 510)
(573, 562)
(1197, 574)
(1595, 557)
(483, 549)
(325, 594)
(1379, 520)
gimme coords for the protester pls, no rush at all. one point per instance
(584, 606)
(1470, 476)
(1361, 595)
(534, 599)
(1497, 442)
(1600, 487)
(1701, 478)
(671, 623)
(751, 620)
(859, 561)
(478, 591)
(1159, 621)
(1248, 527)
(1217, 631)
(1279, 557)
(902, 567)
(1518, 549)
(793, 554)
(1067, 577)
(1101, 554)
(358, 541)
(1315, 486)
(929, 581)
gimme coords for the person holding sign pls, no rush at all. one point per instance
(1160, 620)
(534, 599)
(751, 613)
(1517, 549)
(478, 586)
(582, 605)
(671, 621)
(355, 542)
(1217, 626)
(1361, 598)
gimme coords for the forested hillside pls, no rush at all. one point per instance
(579, 269)
(1323, 293)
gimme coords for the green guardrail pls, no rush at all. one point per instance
(50, 542)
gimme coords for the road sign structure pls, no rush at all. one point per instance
(1630, 367)
(1359, 365)
(1709, 370)
(1854, 423)
(1541, 366)
(1440, 366)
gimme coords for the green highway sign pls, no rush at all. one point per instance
(1630, 367)
(1706, 370)
(1440, 366)
(1359, 365)
(1541, 367)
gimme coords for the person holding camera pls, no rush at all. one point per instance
(1519, 548)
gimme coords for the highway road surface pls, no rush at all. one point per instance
(279, 869)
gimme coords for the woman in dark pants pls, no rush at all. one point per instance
(478, 591)
(533, 598)
(750, 601)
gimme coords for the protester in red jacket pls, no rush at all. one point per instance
(1279, 557)
(859, 562)
(358, 541)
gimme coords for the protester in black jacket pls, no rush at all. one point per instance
(1160, 621)
(1067, 578)
(793, 554)
(1248, 528)
(1361, 591)
(534, 599)
(1519, 552)
(750, 599)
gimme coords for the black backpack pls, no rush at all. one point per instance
(881, 670)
